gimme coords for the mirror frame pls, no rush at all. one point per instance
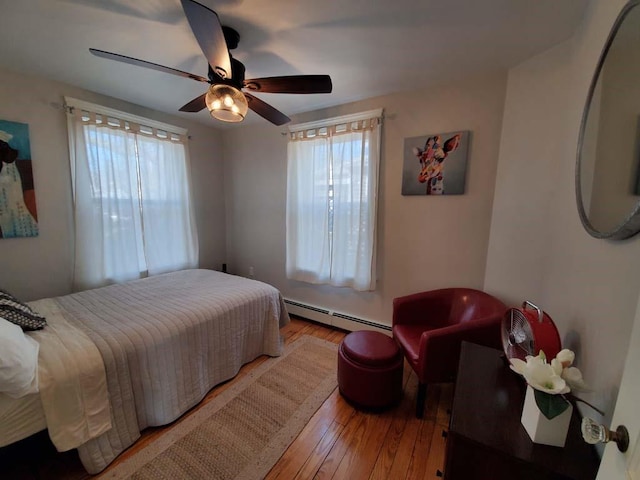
(630, 225)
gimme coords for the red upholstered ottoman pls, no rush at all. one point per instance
(370, 369)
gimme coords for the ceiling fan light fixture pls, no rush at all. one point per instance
(226, 103)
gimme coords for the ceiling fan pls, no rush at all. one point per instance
(225, 99)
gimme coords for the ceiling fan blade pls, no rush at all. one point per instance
(266, 111)
(195, 105)
(206, 27)
(144, 63)
(291, 84)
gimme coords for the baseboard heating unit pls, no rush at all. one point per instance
(335, 319)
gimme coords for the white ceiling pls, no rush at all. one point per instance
(368, 47)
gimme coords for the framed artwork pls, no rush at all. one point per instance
(435, 164)
(18, 215)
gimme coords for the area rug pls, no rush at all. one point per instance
(242, 433)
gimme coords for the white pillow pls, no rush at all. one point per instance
(18, 361)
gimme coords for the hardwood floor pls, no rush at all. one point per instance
(339, 442)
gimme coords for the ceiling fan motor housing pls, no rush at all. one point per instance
(237, 75)
(527, 330)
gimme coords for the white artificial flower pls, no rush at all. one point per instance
(518, 365)
(544, 378)
(557, 366)
(566, 357)
(573, 377)
(539, 374)
(555, 378)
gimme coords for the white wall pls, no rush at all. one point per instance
(39, 267)
(538, 249)
(423, 242)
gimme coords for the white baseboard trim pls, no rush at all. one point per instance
(335, 319)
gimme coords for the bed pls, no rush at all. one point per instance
(118, 359)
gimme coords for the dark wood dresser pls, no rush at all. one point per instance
(486, 440)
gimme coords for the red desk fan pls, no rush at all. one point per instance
(527, 330)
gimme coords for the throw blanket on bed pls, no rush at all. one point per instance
(167, 340)
(73, 385)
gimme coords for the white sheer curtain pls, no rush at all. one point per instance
(133, 214)
(308, 234)
(170, 239)
(332, 181)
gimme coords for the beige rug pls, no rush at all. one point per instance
(243, 432)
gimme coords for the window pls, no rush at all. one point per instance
(332, 181)
(133, 213)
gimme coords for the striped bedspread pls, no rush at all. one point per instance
(166, 341)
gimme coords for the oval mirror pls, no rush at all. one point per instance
(608, 162)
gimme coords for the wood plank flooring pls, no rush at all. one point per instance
(339, 442)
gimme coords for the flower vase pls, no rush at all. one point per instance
(540, 428)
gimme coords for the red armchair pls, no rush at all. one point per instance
(430, 326)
